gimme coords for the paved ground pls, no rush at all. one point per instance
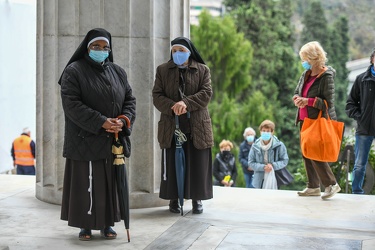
(237, 218)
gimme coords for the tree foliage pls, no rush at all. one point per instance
(255, 69)
(275, 71)
(360, 22)
(315, 25)
(339, 54)
(229, 56)
(227, 53)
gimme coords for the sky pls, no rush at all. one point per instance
(17, 74)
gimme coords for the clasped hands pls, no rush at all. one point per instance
(113, 125)
(268, 167)
(300, 102)
(179, 108)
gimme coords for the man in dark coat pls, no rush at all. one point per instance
(94, 91)
(361, 107)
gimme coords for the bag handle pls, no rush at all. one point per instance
(321, 111)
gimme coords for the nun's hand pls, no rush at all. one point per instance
(113, 125)
(179, 108)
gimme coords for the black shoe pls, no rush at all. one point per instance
(197, 207)
(85, 234)
(108, 233)
(174, 207)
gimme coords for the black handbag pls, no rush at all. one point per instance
(283, 177)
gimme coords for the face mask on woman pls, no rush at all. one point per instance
(180, 57)
(98, 55)
(306, 65)
(265, 136)
(250, 138)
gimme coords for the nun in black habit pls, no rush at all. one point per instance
(183, 87)
(94, 91)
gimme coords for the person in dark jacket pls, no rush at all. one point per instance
(250, 136)
(183, 88)
(315, 86)
(224, 167)
(94, 92)
(360, 106)
(23, 153)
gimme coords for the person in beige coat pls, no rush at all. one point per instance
(183, 88)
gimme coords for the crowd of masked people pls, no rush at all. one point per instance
(100, 109)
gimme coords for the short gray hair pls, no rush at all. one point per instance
(247, 130)
(26, 130)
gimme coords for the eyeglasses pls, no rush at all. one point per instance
(98, 48)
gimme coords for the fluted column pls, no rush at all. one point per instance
(141, 32)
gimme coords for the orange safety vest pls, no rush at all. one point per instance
(22, 151)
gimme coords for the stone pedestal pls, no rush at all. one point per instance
(141, 31)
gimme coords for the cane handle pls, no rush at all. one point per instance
(126, 120)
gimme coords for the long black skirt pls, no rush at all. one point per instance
(77, 203)
(198, 177)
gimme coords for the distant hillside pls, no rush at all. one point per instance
(361, 16)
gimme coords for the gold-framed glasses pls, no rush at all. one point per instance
(98, 48)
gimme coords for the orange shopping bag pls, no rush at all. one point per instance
(321, 138)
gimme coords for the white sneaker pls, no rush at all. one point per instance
(330, 191)
(309, 192)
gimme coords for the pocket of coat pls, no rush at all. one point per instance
(208, 131)
(161, 128)
(165, 134)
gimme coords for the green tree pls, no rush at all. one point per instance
(227, 53)
(339, 55)
(229, 56)
(315, 29)
(275, 71)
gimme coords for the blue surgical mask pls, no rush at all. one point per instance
(250, 138)
(180, 57)
(98, 55)
(265, 136)
(306, 65)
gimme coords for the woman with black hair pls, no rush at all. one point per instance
(183, 88)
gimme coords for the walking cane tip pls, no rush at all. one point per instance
(182, 211)
(127, 232)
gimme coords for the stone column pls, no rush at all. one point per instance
(141, 32)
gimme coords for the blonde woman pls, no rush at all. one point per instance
(315, 85)
(224, 167)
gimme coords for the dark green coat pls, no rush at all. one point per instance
(322, 89)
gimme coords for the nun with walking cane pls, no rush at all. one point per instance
(182, 92)
(99, 110)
